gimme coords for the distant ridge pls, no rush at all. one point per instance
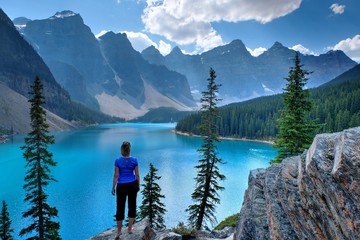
(244, 76)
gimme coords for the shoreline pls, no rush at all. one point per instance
(4, 138)
(227, 138)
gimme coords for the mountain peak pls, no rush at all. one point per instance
(335, 52)
(4, 18)
(237, 43)
(176, 50)
(21, 21)
(153, 55)
(150, 49)
(338, 54)
(105, 34)
(64, 14)
(277, 45)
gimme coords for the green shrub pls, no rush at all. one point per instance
(228, 222)
(182, 229)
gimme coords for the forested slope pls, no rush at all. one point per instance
(336, 105)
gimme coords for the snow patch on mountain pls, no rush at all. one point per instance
(267, 89)
(63, 14)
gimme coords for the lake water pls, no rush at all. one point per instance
(85, 170)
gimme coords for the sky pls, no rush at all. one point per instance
(309, 26)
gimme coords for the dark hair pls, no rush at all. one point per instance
(125, 149)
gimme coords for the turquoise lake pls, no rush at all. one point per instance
(85, 168)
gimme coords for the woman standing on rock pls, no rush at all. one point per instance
(127, 183)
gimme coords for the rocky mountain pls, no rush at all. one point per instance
(15, 113)
(312, 196)
(106, 74)
(19, 65)
(243, 76)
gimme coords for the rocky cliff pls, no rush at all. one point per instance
(312, 196)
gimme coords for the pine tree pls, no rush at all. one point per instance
(205, 195)
(38, 176)
(296, 132)
(5, 223)
(151, 206)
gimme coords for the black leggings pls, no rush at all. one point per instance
(124, 190)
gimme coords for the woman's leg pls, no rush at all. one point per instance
(131, 222)
(119, 226)
(132, 193)
(121, 193)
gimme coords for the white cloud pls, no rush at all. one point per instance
(337, 9)
(140, 41)
(257, 51)
(164, 48)
(351, 47)
(189, 21)
(300, 48)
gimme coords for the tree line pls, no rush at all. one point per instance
(336, 106)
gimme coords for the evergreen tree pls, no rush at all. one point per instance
(38, 176)
(205, 195)
(5, 223)
(151, 206)
(296, 132)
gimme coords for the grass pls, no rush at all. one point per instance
(230, 221)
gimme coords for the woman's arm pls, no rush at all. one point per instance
(137, 175)
(116, 176)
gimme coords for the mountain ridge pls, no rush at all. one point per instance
(244, 76)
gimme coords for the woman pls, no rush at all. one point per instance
(127, 182)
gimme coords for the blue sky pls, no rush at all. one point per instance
(310, 26)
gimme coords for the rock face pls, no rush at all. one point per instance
(312, 196)
(20, 64)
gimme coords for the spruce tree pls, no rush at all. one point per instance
(151, 206)
(38, 175)
(296, 131)
(206, 192)
(5, 223)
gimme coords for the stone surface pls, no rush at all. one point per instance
(312, 196)
(167, 235)
(141, 231)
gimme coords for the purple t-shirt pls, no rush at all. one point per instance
(126, 169)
